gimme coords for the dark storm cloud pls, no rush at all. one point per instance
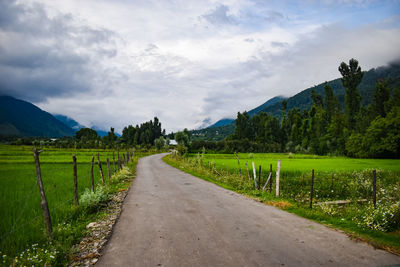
(43, 56)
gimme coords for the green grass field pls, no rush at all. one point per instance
(21, 221)
(302, 163)
(336, 178)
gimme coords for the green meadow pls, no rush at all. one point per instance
(21, 221)
(302, 163)
(336, 178)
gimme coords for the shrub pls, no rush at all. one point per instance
(92, 201)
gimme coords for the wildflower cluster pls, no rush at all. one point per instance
(385, 218)
(329, 209)
(32, 256)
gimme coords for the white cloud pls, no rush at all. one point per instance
(116, 63)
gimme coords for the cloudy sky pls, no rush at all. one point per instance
(188, 62)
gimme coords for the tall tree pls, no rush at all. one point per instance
(331, 102)
(317, 99)
(381, 96)
(85, 134)
(352, 76)
(243, 126)
(110, 138)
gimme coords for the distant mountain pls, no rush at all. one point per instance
(303, 100)
(76, 126)
(226, 121)
(271, 102)
(222, 122)
(101, 132)
(366, 88)
(21, 118)
(225, 127)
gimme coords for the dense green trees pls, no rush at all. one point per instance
(357, 131)
(145, 134)
(86, 134)
(352, 76)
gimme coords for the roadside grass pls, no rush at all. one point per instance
(347, 218)
(21, 224)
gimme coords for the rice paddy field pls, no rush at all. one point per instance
(336, 178)
(303, 163)
(21, 220)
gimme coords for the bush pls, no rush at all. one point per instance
(90, 201)
(182, 150)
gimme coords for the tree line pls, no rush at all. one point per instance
(145, 135)
(325, 128)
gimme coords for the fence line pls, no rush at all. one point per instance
(18, 225)
(316, 190)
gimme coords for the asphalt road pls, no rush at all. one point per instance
(171, 218)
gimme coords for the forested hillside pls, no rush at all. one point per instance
(340, 120)
(303, 100)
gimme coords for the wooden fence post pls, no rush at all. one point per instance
(254, 175)
(115, 170)
(270, 182)
(240, 171)
(119, 162)
(259, 178)
(248, 173)
(278, 170)
(108, 169)
(91, 175)
(76, 200)
(374, 188)
(101, 170)
(312, 189)
(267, 182)
(43, 203)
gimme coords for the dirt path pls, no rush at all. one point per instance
(171, 218)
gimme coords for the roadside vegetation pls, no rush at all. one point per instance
(342, 192)
(23, 239)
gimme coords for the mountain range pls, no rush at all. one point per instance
(76, 126)
(303, 101)
(21, 118)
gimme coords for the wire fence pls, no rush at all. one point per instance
(20, 203)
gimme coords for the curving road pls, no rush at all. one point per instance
(171, 218)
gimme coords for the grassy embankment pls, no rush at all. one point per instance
(21, 224)
(336, 178)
